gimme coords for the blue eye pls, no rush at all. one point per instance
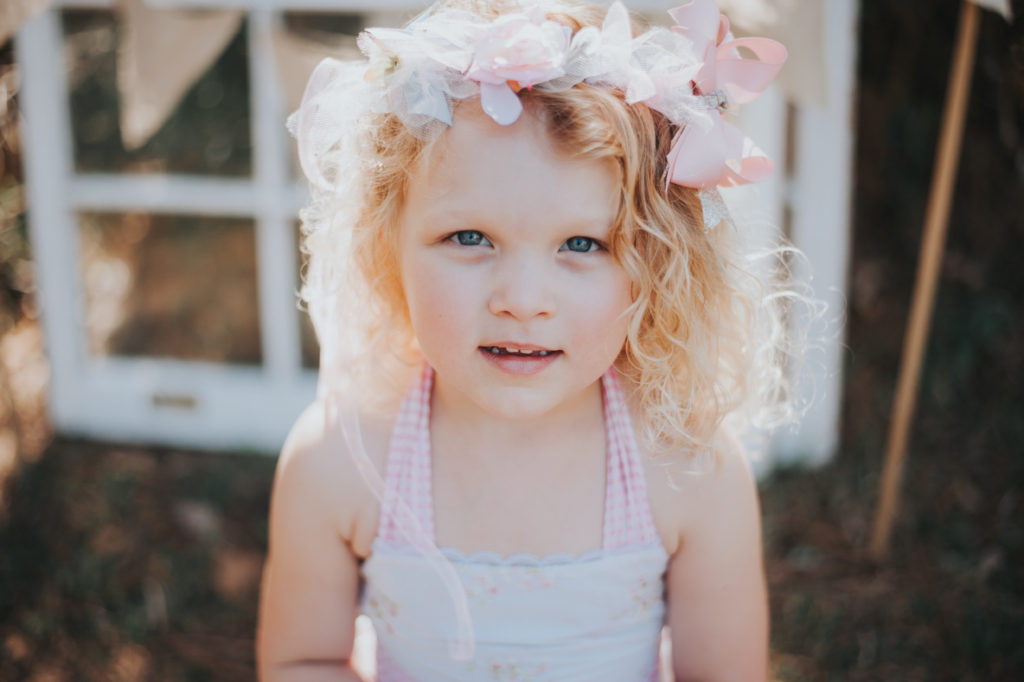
(468, 238)
(581, 244)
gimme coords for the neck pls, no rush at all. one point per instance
(465, 427)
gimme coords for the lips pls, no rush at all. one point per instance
(507, 350)
(519, 359)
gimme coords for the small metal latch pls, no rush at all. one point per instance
(180, 401)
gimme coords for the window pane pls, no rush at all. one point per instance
(208, 132)
(170, 286)
(324, 27)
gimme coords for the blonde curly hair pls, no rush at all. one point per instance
(707, 332)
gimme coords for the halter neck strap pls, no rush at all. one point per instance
(627, 513)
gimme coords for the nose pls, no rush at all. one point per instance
(523, 288)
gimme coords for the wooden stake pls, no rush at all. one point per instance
(936, 221)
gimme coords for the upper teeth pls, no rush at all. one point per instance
(500, 349)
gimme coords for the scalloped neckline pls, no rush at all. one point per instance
(532, 560)
(525, 559)
(521, 558)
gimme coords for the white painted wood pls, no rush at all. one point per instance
(46, 143)
(279, 321)
(192, 404)
(821, 195)
(203, 195)
(759, 208)
(146, 399)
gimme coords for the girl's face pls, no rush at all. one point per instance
(513, 295)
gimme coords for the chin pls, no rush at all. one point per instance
(531, 403)
(520, 404)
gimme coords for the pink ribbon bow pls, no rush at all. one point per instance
(719, 154)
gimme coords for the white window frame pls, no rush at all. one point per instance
(243, 408)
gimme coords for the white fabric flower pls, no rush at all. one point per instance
(517, 51)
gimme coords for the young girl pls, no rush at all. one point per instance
(535, 322)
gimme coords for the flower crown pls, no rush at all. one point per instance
(691, 73)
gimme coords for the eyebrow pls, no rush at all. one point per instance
(483, 220)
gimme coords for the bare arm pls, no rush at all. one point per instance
(717, 598)
(311, 576)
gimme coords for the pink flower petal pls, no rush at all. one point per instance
(500, 103)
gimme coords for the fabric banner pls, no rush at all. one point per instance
(1001, 6)
(162, 54)
(14, 13)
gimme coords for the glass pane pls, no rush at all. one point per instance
(208, 132)
(171, 286)
(324, 27)
(307, 335)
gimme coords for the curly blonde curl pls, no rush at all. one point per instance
(707, 333)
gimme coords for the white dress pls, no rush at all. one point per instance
(562, 618)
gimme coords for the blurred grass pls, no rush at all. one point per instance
(115, 554)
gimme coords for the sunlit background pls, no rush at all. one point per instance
(126, 561)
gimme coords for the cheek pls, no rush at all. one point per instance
(603, 310)
(622, 299)
(437, 298)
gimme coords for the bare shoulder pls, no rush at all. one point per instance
(689, 500)
(323, 518)
(716, 595)
(317, 471)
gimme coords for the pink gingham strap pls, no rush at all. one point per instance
(408, 468)
(627, 513)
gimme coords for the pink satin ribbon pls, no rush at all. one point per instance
(717, 153)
